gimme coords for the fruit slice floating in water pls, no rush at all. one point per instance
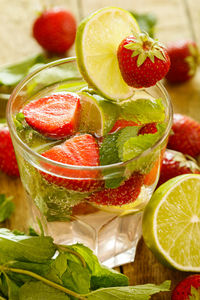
(97, 114)
(79, 151)
(54, 116)
(97, 41)
(171, 223)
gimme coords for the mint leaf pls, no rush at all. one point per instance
(40, 291)
(138, 144)
(13, 289)
(124, 135)
(146, 22)
(140, 292)
(25, 248)
(101, 276)
(6, 207)
(76, 278)
(108, 150)
(13, 74)
(143, 111)
(109, 155)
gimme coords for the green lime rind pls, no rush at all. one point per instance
(111, 84)
(171, 223)
(97, 114)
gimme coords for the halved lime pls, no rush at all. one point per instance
(171, 223)
(97, 41)
(97, 115)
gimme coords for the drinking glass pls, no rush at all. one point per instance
(112, 232)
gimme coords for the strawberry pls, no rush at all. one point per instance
(142, 61)
(55, 30)
(186, 135)
(185, 57)
(8, 162)
(187, 289)
(124, 194)
(174, 164)
(54, 116)
(121, 123)
(148, 128)
(80, 151)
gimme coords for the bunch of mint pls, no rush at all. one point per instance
(126, 144)
(33, 267)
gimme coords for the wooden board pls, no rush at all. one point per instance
(177, 19)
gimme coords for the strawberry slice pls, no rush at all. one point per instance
(148, 128)
(80, 151)
(54, 116)
(120, 124)
(124, 194)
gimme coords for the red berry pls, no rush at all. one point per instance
(124, 194)
(142, 61)
(186, 135)
(120, 124)
(151, 177)
(80, 151)
(54, 116)
(8, 163)
(55, 30)
(174, 164)
(183, 290)
(184, 56)
(148, 128)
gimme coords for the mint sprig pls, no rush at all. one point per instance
(74, 274)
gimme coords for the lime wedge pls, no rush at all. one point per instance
(97, 41)
(171, 223)
(97, 115)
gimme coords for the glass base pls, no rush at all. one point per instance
(112, 238)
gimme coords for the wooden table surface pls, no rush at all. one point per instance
(177, 19)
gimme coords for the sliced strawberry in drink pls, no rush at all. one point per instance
(121, 123)
(80, 151)
(124, 194)
(55, 116)
(148, 128)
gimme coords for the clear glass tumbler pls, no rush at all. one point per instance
(67, 214)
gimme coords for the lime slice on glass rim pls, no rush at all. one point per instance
(171, 223)
(97, 41)
(97, 115)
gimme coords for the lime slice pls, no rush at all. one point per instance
(97, 115)
(97, 41)
(171, 223)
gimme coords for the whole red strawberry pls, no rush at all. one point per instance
(174, 164)
(54, 116)
(124, 194)
(55, 30)
(187, 289)
(8, 163)
(186, 135)
(79, 151)
(142, 61)
(184, 56)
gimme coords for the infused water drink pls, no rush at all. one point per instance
(91, 184)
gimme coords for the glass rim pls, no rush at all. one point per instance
(26, 148)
